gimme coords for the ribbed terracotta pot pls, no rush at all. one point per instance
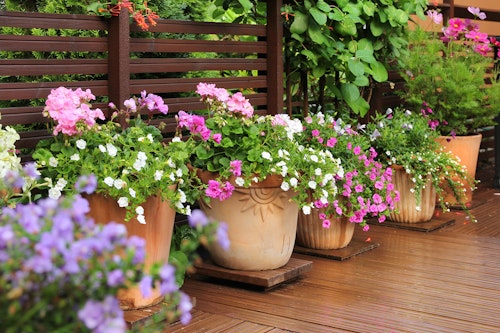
(312, 235)
(466, 148)
(408, 211)
(262, 223)
(157, 233)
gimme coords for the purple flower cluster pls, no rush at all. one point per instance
(50, 251)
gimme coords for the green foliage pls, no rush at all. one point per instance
(350, 42)
(450, 78)
(404, 139)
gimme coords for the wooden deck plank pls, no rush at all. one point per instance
(444, 281)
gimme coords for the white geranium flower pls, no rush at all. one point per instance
(75, 157)
(81, 144)
(109, 181)
(53, 162)
(112, 150)
(54, 193)
(61, 183)
(123, 202)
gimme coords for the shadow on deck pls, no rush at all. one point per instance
(447, 280)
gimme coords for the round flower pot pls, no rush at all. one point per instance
(157, 233)
(312, 235)
(466, 148)
(262, 223)
(407, 208)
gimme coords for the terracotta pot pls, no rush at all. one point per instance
(312, 235)
(157, 232)
(407, 205)
(466, 148)
(262, 223)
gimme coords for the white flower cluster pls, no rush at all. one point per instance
(55, 190)
(8, 158)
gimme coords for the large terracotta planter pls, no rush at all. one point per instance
(408, 210)
(312, 235)
(262, 223)
(466, 148)
(157, 233)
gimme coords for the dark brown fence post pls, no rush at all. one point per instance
(119, 58)
(274, 58)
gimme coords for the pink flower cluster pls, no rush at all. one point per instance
(458, 28)
(71, 109)
(152, 102)
(220, 98)
(219, 190)
(195, 124)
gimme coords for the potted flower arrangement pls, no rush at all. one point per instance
(140, 179)
(255, 166)
(406, 142)
(365, 188)
(60, 270)
(446, 71)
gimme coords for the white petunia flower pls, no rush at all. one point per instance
(132, 192)
(102, 148)
(312, 184)
(158, 174)
(306, 210)
(61, 183)
(141, 219)
(318, 172)
(239, 181)
(109, 181)
(142, 156)
(75, 157)
(139, 210)
(293, 182)
(112, 150)
(81, 144)
(266, 155)
(150, 137)
(118, 183)
(285, 186)
(123, 202)
(314, 158)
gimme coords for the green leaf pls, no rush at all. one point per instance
(322, 5)
(369, 8)
(350, 92)
(316, 34)
(299, 24)
(361, 81)
(356, 66)
(319, 16)
(377, 28)
(203, 153)
(379, 72)
(366, 56)
(254, 155)
(310, 55)
(247, 4)
(336, 14)
(318, 71)
(359, 106)
(347, 27)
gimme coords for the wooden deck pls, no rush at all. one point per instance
(447, 280)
